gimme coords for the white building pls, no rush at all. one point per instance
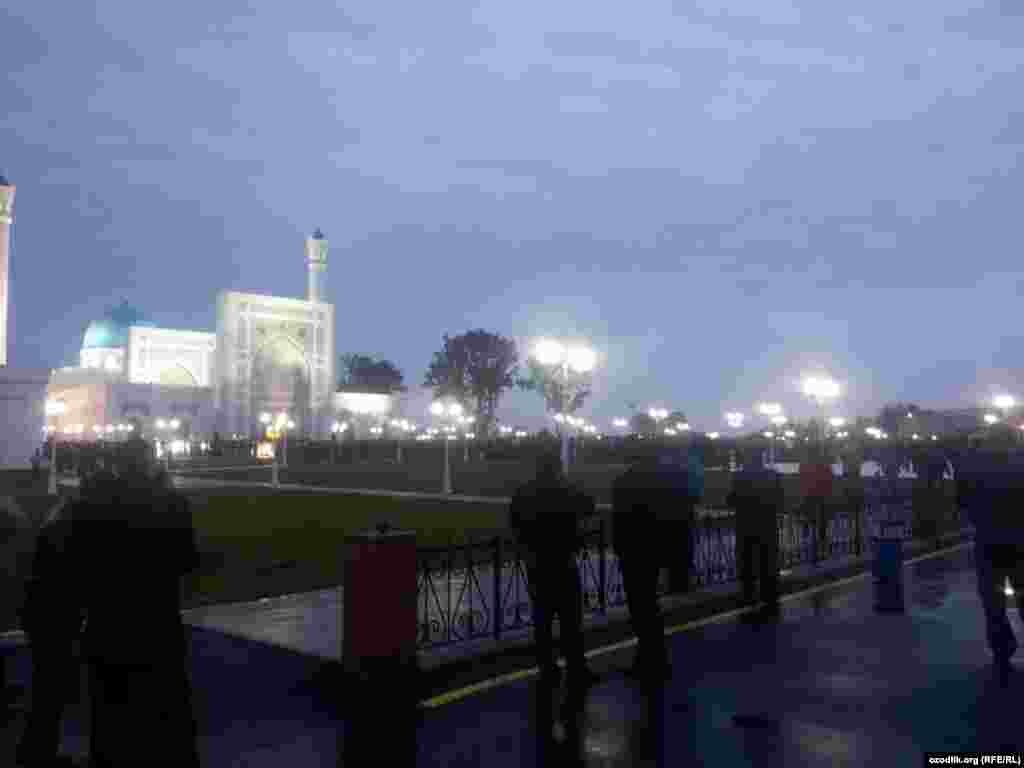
(268, 354)
(22, 391)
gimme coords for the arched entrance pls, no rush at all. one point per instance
(280, 382)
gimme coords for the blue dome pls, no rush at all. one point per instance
(112, 330)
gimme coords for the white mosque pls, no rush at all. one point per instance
(269, 354)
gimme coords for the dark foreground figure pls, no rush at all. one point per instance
(652, 501)
(990, 485)
(547, 513)
(757, 497)
(116, 558)
(52, 619)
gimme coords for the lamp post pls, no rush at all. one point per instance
(55, 408)
(773, 412)
(451, 411)
(575, 359)
(1006, 404)
(284, 423)
(266, 420)
(465, 421)
(821, 389)
(658, 415)
(337, 428)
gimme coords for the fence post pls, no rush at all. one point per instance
(602, 567)
(858, 527)
(497, 587)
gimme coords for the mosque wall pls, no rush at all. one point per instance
(171, 357)
(22, 399)
(274, 354)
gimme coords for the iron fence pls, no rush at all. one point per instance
(481, 589)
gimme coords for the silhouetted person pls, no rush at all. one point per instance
(816, 481)
(990, 485)
(52, 619)
(638, 496)
(547, 513)
(684, 471)
(757, 497)
(36, 465)
(10, 593)
(134, 541)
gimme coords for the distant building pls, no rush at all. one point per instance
(22, 390)
(269, 354)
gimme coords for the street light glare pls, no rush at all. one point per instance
(620, 423)
(821, 387)
(582, 359)
(991, 418)
(769, 409)
(837, 422)
(1004, 402)
(549, 352)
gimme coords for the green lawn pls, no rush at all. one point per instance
(265, 544)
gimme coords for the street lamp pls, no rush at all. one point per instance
(451, 412)
(991, 418)
(734, 419)
(55, 408)
(658, 414)
(773, 411)
(1005, 403)
(821, 389)
(578, 359)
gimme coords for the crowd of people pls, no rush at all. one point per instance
(654, 515)
(106, 590)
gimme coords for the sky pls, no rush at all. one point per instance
(720, 197)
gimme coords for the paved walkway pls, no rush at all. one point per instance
(833, 683)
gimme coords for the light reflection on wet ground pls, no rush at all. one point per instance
(832, 683)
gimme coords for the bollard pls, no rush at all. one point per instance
(379, 606)
(888, 564)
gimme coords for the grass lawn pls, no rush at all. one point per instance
(264, 543)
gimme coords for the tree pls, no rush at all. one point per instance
(474, 368)
(560, 396)
(893, 417)
(641, 423)
(675, 417)
(362, 373)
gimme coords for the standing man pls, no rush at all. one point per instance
(134, 543)
(990, 486)
(52, 619)
(816, 481)
(638, 496)
(757, 498)
(678, 516)
(547, 514)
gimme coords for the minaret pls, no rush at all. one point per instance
(6, 220)
(316, 266)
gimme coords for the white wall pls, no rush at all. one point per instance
(22, 415)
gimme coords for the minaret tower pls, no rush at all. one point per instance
(316, 266)
(6, 220)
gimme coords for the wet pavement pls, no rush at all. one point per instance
(834, 682)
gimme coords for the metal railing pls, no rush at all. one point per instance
(480, 589)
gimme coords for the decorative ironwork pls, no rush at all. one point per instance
(482, 588)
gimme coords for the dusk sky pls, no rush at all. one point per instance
(719, 196)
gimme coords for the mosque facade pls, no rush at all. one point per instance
(268, 354)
